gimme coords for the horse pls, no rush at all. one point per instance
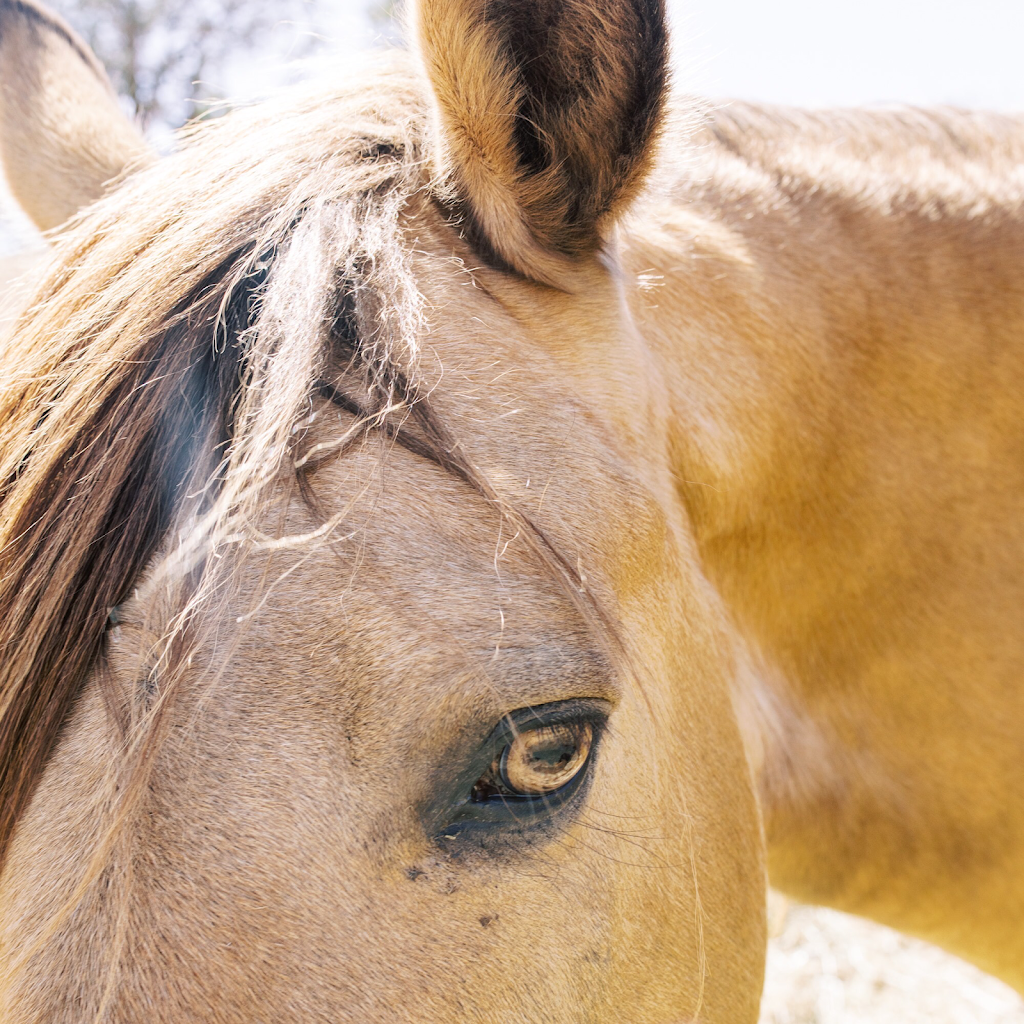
(465, 526)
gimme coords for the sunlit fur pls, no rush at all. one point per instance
(545, 115)
(838, 302)
(62, 136)
(751, 465)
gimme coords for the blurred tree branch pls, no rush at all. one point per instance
(163, 55)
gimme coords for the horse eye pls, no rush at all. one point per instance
(538, 762)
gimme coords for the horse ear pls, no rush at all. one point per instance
(546, 115)
(62, 134)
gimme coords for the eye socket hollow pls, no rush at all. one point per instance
(538, 761)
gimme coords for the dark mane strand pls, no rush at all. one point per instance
(369, 383)
(111, 485)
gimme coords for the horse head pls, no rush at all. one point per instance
(358, 662)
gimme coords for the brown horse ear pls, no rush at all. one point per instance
(62, 134)
(546, 116)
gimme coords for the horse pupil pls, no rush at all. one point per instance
(554, 756)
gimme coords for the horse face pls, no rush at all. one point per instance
(468, 754)
(332, 831)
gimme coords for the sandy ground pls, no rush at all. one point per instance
(828, 968)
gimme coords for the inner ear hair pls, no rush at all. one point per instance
(546, 118)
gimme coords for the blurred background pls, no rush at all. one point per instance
(171, 57)
(174, 60)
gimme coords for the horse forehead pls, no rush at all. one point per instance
(565, 405)
(420, 601)
(425, 584)
(583, 344)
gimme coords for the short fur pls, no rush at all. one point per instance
(62, 135)
(303, 493)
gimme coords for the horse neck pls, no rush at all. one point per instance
(843, 374)
(840, 353)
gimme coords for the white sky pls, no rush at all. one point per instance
(823, 52)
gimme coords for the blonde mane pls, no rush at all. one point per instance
(151, 365)
(188, 349)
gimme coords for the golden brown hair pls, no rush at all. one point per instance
(150, 378)
(167, 399)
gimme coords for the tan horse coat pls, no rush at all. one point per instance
(774, 418)
(838, 303)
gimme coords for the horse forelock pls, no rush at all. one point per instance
(152, 388)
(158, 385)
